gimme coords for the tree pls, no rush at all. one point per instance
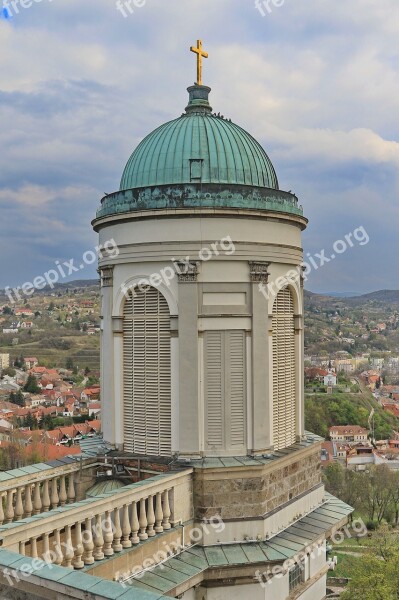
(17, 398)
(9, 371)
(345, 484)
(48, 423)
(376, 576)
(69, 364)
(31, 385)
(19, 362)
(30, 422)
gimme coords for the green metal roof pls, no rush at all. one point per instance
(154, 584)
(103, 487)
(223, 151)
(195, 560)
(252, 461)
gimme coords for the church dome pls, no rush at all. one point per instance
(199, 161)
(199, 146)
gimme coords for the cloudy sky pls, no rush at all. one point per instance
(316, 82)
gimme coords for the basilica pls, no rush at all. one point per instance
(220, 491)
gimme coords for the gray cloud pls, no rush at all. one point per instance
(316, 82)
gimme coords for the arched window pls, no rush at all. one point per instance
(284, 379)
(147, 373)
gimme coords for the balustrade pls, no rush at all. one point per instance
(34, 498)
(90, 530)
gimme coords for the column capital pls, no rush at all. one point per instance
(302, 276)
(187, 271)
(107, 275)
(259, 272)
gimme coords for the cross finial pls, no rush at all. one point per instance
(200, 55)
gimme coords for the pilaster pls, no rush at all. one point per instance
(259, 275)
(189, 417)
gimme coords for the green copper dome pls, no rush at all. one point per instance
(199, 147)
(200, 161)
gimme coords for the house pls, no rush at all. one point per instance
(94, 410)
(91, 393)
(350, 434)
(38, 371)
(391, 407)
(26, 325)
(31, 362)
(69, 408)
(35, 400)
(4, 424)
(330, 380)
(328, 454)
(4, 361)
(23, 312)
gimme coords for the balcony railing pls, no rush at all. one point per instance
(81, 533)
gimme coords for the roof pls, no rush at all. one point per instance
(228, 153)
(103, 487)
(348, 430)
(252, 461)
(77, 584)
(199, 160)
(286, 545)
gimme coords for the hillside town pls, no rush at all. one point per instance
(45, 412)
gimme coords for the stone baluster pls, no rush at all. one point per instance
(33, 548)
(37, 501)
(143, 521)
(116, 544)
(59, 557)
(71, 489)
(19, 507)
(126, 528)
(9, 514)
(98, 539)
(22, 548)
(54, 493)
(63, 492)
(1, 510)
(69, 551)
(150, 516)
(135, 524)
(45, 496)
(78, 562)
(166, 511)
(88, 544)
(28, 500)
(46, 548)
(108, 535)
(158, 513)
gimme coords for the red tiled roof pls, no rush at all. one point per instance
(348, 430)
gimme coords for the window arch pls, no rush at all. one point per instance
(147, 373)
(284, 372)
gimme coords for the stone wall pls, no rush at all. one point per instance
(246, 492)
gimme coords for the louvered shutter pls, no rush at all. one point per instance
(147, 373)
(284, 380)
(214, 389)
(236, 386)
(225, 390)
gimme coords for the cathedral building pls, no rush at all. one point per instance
(201, 382)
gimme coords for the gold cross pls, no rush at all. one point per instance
(200, 55)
